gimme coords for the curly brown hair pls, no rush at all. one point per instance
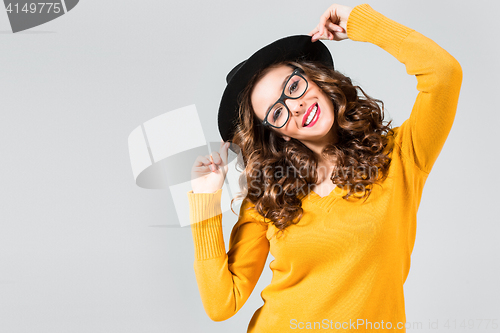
(276, 172)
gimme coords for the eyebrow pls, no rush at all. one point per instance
(282, 87)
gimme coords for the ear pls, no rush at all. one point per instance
(286, 138)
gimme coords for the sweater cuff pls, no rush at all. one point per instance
(206, 224)
(367, 25)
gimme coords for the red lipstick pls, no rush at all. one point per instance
(318, 111)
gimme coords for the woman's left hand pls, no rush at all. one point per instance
(332, 24)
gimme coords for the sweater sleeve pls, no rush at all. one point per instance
(226, 280)
(439, 78)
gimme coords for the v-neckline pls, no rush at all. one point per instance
(328, 201)
(337, 191)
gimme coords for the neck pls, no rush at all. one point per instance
(318, 146)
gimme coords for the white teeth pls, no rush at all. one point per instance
(311, 116)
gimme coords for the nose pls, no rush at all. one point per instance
(295, 105)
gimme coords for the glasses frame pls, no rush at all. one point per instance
(283, 97)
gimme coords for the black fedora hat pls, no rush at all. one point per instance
(292, 48)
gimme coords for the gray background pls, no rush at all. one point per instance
(83, 249)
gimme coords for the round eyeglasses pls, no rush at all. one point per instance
(277, 116)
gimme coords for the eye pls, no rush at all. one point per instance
(293, 87)
(277, 113)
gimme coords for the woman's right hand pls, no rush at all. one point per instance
(208, 176)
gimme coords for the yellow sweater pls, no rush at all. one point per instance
(343, 266)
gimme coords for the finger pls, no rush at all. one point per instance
(201, 161)
(213, 166)
(202, 169)
(334, 27)
(223, 152)
(316, 36)
(216, 157)
(319, 36)
(207, 161)
(329, 31)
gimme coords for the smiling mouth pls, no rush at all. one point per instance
(311, 115)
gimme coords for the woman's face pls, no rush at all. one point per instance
(319, 130)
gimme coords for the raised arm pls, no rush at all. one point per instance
(226, 280)
(439, 78)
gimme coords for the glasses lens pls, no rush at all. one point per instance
(295, 87)
(278, 115)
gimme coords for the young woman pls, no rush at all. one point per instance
(332, 191)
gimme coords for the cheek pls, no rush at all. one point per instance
(329, 105)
